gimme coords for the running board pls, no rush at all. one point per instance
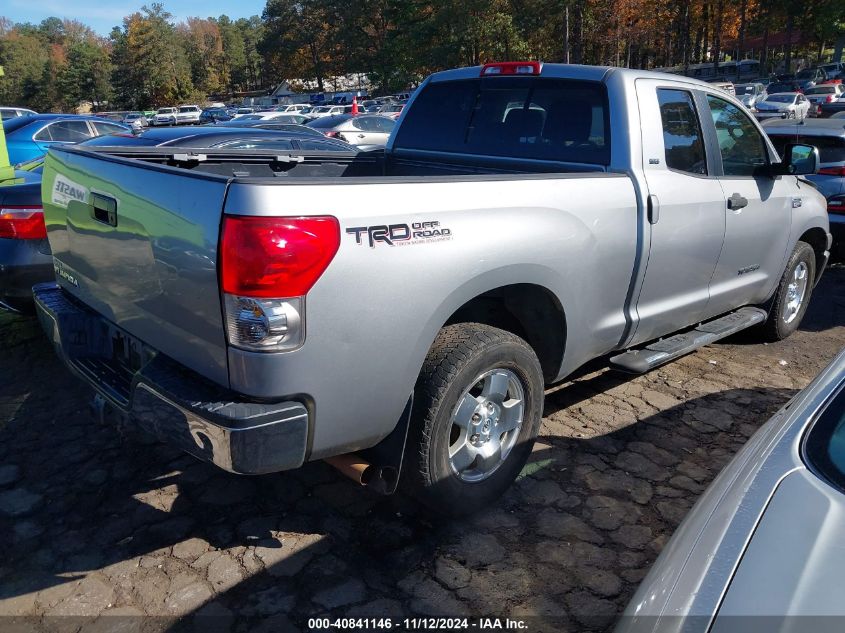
(639, 361)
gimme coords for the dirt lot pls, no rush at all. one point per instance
(94, 524)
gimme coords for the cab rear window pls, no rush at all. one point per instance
(538, 118)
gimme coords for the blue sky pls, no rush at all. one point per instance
(101, 15)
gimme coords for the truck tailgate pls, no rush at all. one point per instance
(137, 242)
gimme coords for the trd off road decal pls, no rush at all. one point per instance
(400, 234)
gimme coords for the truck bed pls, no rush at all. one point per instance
(251, 163)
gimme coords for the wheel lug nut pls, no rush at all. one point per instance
(490, 406)
(474, 437)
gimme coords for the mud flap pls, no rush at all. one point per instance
(388, 454)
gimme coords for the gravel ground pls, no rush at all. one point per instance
(97, 524)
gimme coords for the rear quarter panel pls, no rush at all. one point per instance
(375, 312)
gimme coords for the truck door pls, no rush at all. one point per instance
(757, 210)
(685, 207)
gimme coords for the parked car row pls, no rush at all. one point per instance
(828, 137)
(25, 257)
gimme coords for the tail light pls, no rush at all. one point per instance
(330, 133)
(836, 204)
(22, 222)
(267, 266)
(833, 171)
(829, 99)
(511, 68)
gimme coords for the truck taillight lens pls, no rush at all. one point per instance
(22, 222)
(267, 266)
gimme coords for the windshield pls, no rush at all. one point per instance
(16, 123)
(166, 110)
(328, 121)
(821, 90)
(121, 140)
(744, 89)
(824, 448)
(188, 109)
(321, 109)
(780, 99)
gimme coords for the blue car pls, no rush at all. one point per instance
(828, 136)
(28, 137)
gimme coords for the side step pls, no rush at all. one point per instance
(639, 361)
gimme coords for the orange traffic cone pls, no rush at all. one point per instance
(354, 105)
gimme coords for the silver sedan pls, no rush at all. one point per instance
(762, 549)
(365, 129)
(783, 105)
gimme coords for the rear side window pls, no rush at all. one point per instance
(548, 119)
(65, 132)
(107, 128)
(831, 148)
(681, 132)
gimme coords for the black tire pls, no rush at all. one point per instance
(777, 327)
(460, 354)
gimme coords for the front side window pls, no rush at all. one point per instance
(681, 132)
(741, 145)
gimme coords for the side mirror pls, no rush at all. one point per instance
(798, 160)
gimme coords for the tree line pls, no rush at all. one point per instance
(150, 60)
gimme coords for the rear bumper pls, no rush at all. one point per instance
(168, 400)
(23, 263)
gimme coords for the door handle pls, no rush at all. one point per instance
(736, 201)
(360, 136)
(104, 209)
(653, 209)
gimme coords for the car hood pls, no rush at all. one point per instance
(803, 579)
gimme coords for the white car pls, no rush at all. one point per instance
(294, 108)
(188, 115)
(135, 120)
(10, 113)
(783, 105)
(242, 111)
(165, 116)
(329, 110)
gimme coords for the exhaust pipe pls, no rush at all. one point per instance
(381, 479)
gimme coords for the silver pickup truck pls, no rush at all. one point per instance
(404, 310)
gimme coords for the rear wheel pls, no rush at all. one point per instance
(477, 409)
(793, 293)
